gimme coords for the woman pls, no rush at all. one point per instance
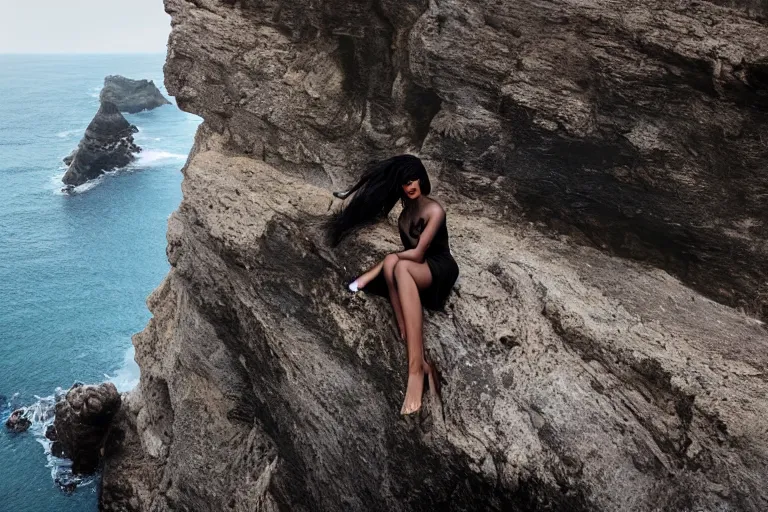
(424, 271)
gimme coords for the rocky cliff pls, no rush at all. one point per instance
(602, 164)
(107, 144)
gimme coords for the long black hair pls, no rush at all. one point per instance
(376, 193)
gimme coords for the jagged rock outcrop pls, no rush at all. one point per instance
(558, 135)
(18, 422)
(132, 96)
(107, 144)
(83, 417)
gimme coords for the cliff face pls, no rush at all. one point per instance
(558, 135)
(642, 124)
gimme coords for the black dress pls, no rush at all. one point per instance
(441, 264)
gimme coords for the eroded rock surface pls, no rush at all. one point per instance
(83, 418)
(132, 96)
(573, 379)
(107, 144)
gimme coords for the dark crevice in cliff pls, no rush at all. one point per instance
(160, 407)
(681, 70)
(557, 178)
(352, 82)
(757, 78)
(422, 105)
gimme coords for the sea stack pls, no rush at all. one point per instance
(132, 95)
(107, 144)
(82, 421)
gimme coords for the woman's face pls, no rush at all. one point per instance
(412, 189)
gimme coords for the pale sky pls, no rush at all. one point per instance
(83, 26)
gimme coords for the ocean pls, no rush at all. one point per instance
(75, 270)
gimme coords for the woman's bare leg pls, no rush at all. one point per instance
(370, 275)
(389, 276)
(410, 277)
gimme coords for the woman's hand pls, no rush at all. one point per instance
(435, 215)
(411, 254)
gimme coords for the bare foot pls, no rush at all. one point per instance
(413, 392)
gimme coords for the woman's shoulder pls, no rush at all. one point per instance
(434, 208)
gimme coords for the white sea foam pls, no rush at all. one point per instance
(95, 91)
(147, 158)
(151, 156)
(141, 138)
(61, 188)
(41, 415)
(127, 376)
(88, 185)
(56, 185)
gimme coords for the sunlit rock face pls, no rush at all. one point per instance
(602, 165)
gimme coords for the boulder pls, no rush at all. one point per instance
(83, 417)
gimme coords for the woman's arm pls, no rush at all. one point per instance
(435, 216)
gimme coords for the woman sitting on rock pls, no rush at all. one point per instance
(422, 273)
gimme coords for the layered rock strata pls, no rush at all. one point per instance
(107, 144)
(572, 379)
(132, 96)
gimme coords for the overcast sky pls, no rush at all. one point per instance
(83, 26)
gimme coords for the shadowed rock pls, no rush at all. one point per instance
(83, 417)
(132, 96)
(107, 144)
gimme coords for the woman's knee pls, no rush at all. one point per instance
(401, 270)
(390, 262)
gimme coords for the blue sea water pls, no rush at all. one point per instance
(75, 270)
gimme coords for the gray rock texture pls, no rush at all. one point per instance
(83, 417)
(107, 144)
(132, 96)
(602, 165)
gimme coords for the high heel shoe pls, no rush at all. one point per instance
(343, 194)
